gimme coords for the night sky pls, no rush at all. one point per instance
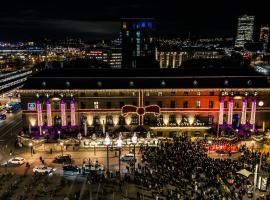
(88, 19)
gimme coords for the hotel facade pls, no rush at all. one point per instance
(163, 101)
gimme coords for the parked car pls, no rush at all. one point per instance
(43, 169)
(127, 157)
(66, 159)
(3, 116)
(16, 161)
(71, 170)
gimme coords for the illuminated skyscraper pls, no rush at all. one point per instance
(264, 34)
(245, 30)
(137, 41)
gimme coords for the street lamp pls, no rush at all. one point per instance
(134, 142)
(107, 142)
(119, 146)
(62, 144)
(79, 136)
(94, 139)
(59, 132)
(31, 148)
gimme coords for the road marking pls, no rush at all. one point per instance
(11, 128)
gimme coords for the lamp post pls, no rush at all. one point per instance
(79, 136)
(107, 142)
(94, 139)
(134, 142)
(119, 146)
(31, 148)
(59, 133)
(62, 144)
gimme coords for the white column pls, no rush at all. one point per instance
(244, 112)
(173, 61)
(180, 59)
(39, 113)
(63, 113)
(167, 59)
(253, 112)
(49, 113)
(72, 113)
(230, 112)
(160, 59)
(221, 111)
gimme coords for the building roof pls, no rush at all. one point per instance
(146, 78)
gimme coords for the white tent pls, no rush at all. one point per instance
(244, 172)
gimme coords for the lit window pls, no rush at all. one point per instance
(147, 94)
(143, 24)
(124, 25)
(159, 94)
(185, 104)
(96, 105)
(211, 104)
(198, 104)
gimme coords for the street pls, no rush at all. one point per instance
(11, 126)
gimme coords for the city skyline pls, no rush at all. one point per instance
(101, 20)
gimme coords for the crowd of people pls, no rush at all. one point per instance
(181, 168)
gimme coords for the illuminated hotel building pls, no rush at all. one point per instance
(137, 40)
(245, 30)
(13, 80)
(162, 100)
(169, 59)
(264, 35)
(110, 55)
(173, 58)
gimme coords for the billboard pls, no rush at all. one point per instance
(32, 106)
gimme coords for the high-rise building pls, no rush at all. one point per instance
(264, 34)
(137, 41)
(245, 30)
(110, 55)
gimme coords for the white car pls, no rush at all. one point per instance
(127, 157)
(16, 161)
(43, 169)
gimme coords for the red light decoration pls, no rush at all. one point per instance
(140, 110)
